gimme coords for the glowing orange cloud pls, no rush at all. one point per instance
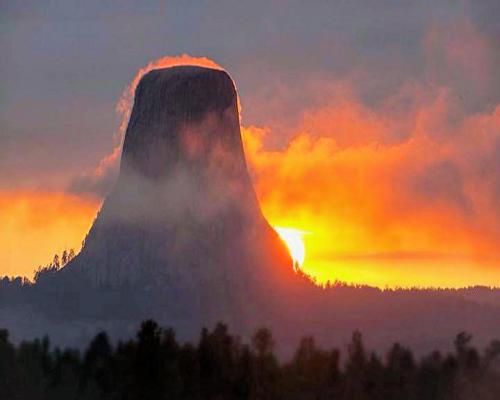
(356, 187)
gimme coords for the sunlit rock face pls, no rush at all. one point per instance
(182, 223)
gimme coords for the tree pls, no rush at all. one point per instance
(313, 370)
(8, 372)
(97, 366)
(171, 374)
(266, 370)
(64, 257)
(263, 342)
(148, 366)
(355, 369)
(217, 353)
(399, 376)
(55, 262)
(65, 377)
(467, 356)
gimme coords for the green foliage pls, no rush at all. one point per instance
(155, 366)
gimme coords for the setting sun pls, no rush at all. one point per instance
(292, 237)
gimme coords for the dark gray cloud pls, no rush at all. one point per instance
(65, 63)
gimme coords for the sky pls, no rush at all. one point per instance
(374, 127)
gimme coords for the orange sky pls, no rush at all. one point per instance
(389, 195)
(35, 225)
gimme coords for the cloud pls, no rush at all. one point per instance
(377, 130)
(413, 172)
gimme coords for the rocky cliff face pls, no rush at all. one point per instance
(182, 223)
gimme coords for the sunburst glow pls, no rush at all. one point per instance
(292, 238)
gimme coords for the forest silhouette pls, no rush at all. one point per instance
(155, 365)
(220, 365)
(424, 319)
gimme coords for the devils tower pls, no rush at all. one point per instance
(182, 224)
(181, 239)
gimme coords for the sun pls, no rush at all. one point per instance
(292, 238)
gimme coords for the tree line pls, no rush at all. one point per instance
(154, 365)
